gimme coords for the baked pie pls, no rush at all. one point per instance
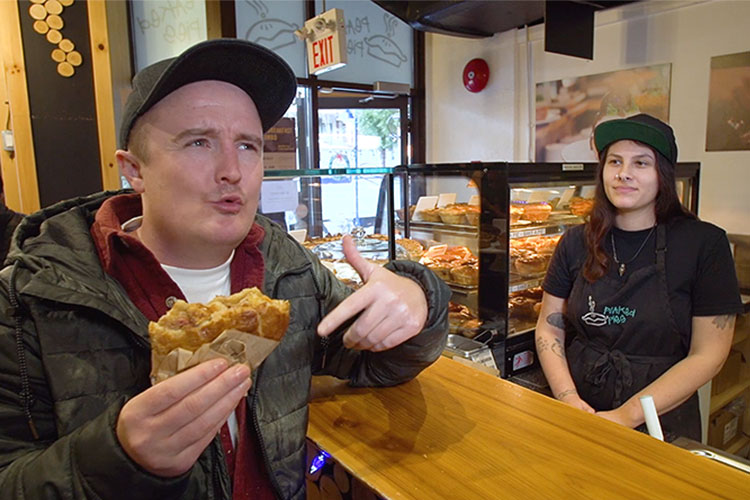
(189, 326)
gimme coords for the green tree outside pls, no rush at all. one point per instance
(384, 124)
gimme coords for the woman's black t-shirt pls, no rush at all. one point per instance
(701, 278)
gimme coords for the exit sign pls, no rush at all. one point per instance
(326, 42)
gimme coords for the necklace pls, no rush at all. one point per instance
(622, 265)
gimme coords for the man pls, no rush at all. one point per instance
(78, 417)
(8, 222)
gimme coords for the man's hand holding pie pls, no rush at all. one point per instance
(166, 428)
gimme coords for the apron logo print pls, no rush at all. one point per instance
(617, 315)
(593, 318)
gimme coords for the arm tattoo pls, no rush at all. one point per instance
(721, 322)
(541, 344)
(561, 395)
(557, 320)
(556, 346)
(559, 348)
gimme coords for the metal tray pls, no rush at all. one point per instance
(461, 345)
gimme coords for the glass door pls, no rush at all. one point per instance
(359, 131)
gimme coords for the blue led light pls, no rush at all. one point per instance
(319, 461)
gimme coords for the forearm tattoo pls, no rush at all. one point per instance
(558, 348)
(721, 322)
(541, 344)
(555, 346)
(557, 320)
(562, 394)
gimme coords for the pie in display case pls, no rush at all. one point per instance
(318, 207)
(489, 231)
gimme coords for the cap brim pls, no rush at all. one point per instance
(262, 74)
(607, 133)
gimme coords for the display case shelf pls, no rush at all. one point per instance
(525, 283)
(551, 228)
(740, 443)
(720, 400)
(462, 289)
(521, 328)
(324, 172)
(441, 227)
(740, 336)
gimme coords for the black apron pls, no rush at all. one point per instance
(625, 337)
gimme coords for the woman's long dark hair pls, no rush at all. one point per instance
(602, 218)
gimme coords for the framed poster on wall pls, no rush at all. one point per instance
(728, 127)
(567, 110)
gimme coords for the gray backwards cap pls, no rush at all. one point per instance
(267, 79)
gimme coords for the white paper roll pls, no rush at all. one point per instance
(652, 418)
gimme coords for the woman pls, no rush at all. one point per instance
(642, 298)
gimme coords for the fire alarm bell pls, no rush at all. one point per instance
(476, 75)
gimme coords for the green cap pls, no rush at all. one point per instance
(642, 128)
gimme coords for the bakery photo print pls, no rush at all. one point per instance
(728, 127)
(568, 110)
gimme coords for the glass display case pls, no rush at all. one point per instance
(489, 230)
(318, 207)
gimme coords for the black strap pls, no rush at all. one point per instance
(661, 245)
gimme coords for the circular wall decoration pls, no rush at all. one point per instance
(55, 22)
(48, 21)
(54, 36)
(58, 55)
(37, 11)
(53, 7)
(66, 45)
(41, 27)
(65, 69)
(74, 58)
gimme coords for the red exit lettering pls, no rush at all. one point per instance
(322, 51)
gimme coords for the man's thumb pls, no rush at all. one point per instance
(355, 259)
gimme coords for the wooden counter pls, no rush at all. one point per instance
(455, 432)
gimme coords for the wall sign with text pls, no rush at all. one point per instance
(326, 42)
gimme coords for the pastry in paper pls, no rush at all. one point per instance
(188, 326)
(242, 328)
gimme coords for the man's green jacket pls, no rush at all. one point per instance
(74, 348)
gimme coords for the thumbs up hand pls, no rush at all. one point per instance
(394, 308)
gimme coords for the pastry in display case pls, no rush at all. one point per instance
(455, 265)
(489, 230)
(319, 207)
(373, 247)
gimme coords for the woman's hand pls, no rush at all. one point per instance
(618, 416)
(709, 347)
(572, 398)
